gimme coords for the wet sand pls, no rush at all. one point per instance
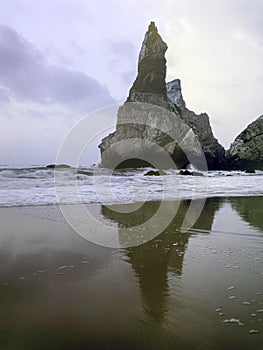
(202, 289)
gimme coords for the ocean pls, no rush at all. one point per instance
(36, 185)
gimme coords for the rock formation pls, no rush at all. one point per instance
(246, 152)
(154, 122)
(149, 86)
(174, 93)
(214, 152)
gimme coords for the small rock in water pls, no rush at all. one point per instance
(232, 297)
(250, 171)
(217, 310)
(221, 314)
(229, 288)
(53, 166)
(253, 331)
(260, 310)
(246, 303)
(154, 173)
(186, 172)
(253, 315)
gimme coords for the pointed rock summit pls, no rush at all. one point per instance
(149, 86)
(154, 123)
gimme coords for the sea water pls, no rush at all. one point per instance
(36, 185)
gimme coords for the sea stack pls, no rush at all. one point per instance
(154, 123)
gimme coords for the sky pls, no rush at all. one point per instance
(60, 60)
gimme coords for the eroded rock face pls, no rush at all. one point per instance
(174, 93)
(154, 121)
(214, 152)
(149, 132)
(246, 152)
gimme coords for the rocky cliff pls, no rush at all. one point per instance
(154, 126)
(214, 152)
(246, 152)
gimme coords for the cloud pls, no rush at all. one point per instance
(128, 77)
(250, 38)
(25, 72)
(4, 96)
(214, 48)
(122, 48)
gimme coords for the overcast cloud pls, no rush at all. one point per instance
(61, 59)
(25, 73)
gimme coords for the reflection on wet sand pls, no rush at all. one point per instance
(176, 291)
(152, 260)
(250, 209)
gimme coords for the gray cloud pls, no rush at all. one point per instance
(128, 77)
(4, 96)
(25, 72)
(214, 48)
(122, 48)
(36, 114)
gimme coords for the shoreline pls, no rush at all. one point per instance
(186, 198)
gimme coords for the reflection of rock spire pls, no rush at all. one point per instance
(152, 260)
(151, 263)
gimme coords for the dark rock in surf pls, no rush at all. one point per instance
(154, 173)
(59, 166)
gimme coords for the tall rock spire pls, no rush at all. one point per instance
(149, 86)
(154, 119)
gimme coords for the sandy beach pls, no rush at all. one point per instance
(60, 291)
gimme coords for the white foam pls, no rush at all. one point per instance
(29, 186)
